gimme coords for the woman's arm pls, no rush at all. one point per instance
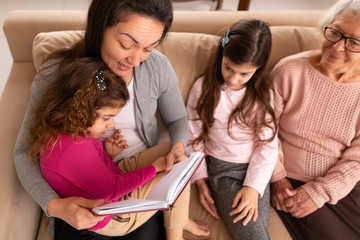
(172, 109)
(339, 180)
(29, 174)
(71, 210)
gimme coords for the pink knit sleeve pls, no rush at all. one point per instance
(339, 180)
(279, 169)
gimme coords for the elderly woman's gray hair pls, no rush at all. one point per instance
(340, 7)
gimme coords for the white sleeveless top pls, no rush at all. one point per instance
(125, 121)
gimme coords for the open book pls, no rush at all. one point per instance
(163, 195)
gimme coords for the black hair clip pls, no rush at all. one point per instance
(225, 39)
(100, 84)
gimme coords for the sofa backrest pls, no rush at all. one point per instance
(21, 27)
(191, 53)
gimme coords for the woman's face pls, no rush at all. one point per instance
(335, 58)
(127, 44)
(236, 75)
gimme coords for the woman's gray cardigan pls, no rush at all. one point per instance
(156, 87)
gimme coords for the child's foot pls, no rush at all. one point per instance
(197, 228)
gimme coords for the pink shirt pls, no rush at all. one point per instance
(79, 167)
(319, 129)
(261, 157)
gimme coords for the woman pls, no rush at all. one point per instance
(123, 33)
(315, 184)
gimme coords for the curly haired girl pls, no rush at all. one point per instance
(77, 108)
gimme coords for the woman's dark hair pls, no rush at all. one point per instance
(103, 14)
(70, 103)
(107, 13)
(249, 42)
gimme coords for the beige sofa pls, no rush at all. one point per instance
(193, 39)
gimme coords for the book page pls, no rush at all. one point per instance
(130, 205)
(171, 185)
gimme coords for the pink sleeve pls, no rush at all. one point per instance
(195, 128)
(90, 169)
(263, 160)
(261, 166)
(340, 180)
(279, 169)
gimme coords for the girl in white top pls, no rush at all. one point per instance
(232, 120)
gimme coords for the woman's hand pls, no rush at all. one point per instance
(175, 155)
(205, 198)
(279, 193)
(75, 211)
(248, 207)
(300, 204)
(160, 164)
(115, 144)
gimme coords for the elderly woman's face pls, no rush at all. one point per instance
(335, 58)
(127, 44)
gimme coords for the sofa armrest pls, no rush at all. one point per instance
(19, 213)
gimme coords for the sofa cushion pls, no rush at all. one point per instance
(47, 42)
(288, 40)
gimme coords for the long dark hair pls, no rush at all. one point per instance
(70, 103)
(249, 42)
(103, 14)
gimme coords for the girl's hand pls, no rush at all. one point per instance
(115, 144)
(205, 198)
(160, 164)
(175, 155)
(248, 207)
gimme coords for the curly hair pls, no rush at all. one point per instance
(249, 42)
(70, 104)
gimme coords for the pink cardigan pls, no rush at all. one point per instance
(319, 121)
(79, 167)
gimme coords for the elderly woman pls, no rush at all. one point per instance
(315, 184)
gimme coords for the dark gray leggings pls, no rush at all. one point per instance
(225, 180)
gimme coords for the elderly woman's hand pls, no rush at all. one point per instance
(279, 193)
(300, 204)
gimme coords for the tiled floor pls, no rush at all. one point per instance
(231, 5)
